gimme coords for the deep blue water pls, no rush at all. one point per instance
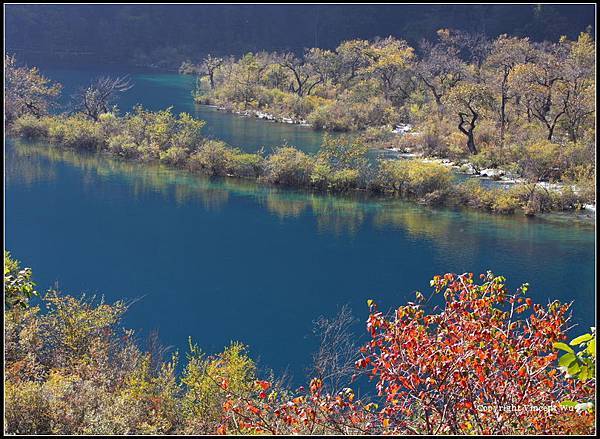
(222, 260)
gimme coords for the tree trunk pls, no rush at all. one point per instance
(471, 143)
(469, 132)
(503, 99)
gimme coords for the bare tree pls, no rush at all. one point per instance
(469, 101)
(97, 97)
(473, 47)
(157, 351)
(440, 70)
(507, 53)
(543, 85)
(304, 78)
(334, 361)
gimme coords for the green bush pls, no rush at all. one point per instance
(175, 155)
(76, 132)
(69, 131)
(18, 286)
(505, 202)
(324, 177)
(583, 178)
(208, 380)
(247, 165)
(534, 198)
(125, 146)
(332, 117)
(471, 193)
(213, 157)
(485, 159)
(540, 161)
(30, 127)
(414, 177)
(288, 166)
(347, 114)
(577, 155)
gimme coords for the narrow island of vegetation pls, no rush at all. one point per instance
(433, 369)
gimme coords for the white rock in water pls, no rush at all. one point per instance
(492, 172)
(402, 128)
(591, 207)
(551, 186)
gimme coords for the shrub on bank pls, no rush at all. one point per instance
(69, 131)
(175, 155)
(247, 165)
(124, 146)
(76, 132)
(288, 166)
(505, 202)
(349, 114)
(212, 157)
(471, 193)
(532, 198)
(577, 155)
(140, 134)
(325, 177)
(414, 177)
(30, 127)
(209, 380)
(487, 158)
(583, 178)
(540, 161)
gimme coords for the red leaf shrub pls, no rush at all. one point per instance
(482, 363)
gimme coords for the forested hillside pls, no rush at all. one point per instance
(165, 35)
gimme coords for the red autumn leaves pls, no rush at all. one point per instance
(436, 367)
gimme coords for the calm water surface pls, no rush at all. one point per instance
(223, 259)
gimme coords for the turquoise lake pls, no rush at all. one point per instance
(223, 259)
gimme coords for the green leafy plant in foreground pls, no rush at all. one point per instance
(18, 286)
(579, 365)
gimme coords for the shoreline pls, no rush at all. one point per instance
(581, 216)
(502, 177)
(258, 114)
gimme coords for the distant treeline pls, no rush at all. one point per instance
(163, 36)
